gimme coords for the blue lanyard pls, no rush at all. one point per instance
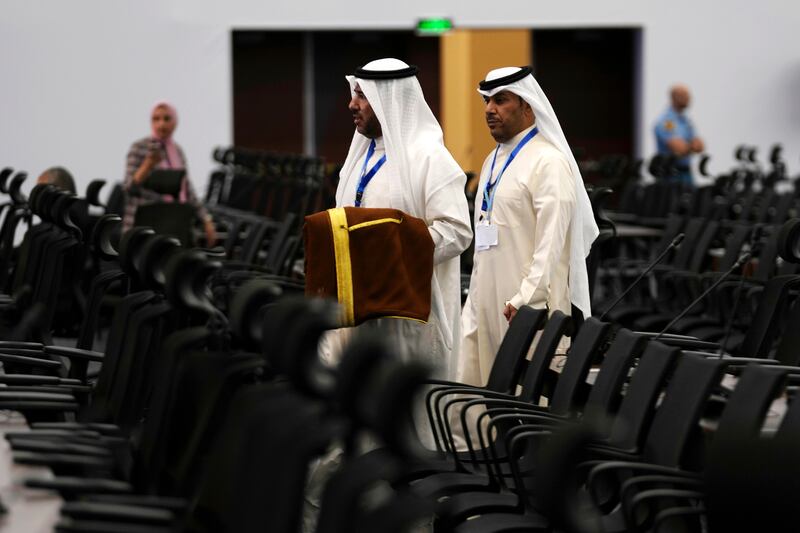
(488, 192)
(366, 177)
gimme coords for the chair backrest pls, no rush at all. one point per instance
(677, 417)
(163, 419)
(588, 342)
(751, 482)
(116, 200)
(275, 254)
(673, 226)
(767, 255)
(636, 410)
(340, 499)
(768, 316)
(557, 326)
(117, 337)
(747, 405)
(253, 240)
(133, 382)
(200, 387)
(509, 362)
(261, 454)
(172, 219)
(88, 329)
(93, 192)
(7, 234)
(694, 229)
(784, 205)
(4, 175)
(733, 246)
(605, 394)
(702, 245)
(235, 225)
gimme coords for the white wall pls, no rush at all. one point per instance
(78, 77)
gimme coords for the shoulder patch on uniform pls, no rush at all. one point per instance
(669, 125)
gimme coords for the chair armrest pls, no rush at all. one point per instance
(634, 483)
(650, 468)
(33, 395)
(439, 386)
(32, 405)
(21, 345)
(117, 512)
(72, 437)
(733, 361)
(655, 494)
(441, 411)
(104, 429)
(45, 446)
(71, 486)
(27, 352)
(74, 353)
(72, 525)
(61, 459)
(681, 341)
(33, 379)
(29, 361)
(49, 434)
(177, 505)
(672, 512)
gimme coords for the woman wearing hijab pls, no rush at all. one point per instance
(159, 151)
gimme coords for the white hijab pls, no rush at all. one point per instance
(583, 229)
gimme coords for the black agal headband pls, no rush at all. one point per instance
(505, 80)
(364, 74)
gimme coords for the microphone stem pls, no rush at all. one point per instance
(637, 280)
(705, 293)
(729, 325)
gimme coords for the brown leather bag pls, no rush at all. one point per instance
(375, 262)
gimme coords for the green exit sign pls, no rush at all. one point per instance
(434, 26)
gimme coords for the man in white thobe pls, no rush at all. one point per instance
(533, 221)
(417, 176)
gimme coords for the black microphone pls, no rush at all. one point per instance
(756, 243)
(675, 242)
(744, 258)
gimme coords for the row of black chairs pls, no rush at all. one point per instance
(208, 400)
(268, 184)
(192, 418)
(648, 443)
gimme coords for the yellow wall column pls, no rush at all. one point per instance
(465, 58)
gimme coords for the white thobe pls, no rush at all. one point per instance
(447, 215)
(533, 206)
(435, 342)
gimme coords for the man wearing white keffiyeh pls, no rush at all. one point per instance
(397, 159)
(417, 176)
(533, 221)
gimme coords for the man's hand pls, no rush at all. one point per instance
(509, 312)
(697, 145)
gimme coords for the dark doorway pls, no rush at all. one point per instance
(270, 69)
(338, 53)
(590, 76)
(268, 90)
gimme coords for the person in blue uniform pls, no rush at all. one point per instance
(675, 135)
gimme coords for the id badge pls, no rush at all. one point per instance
(485, 236)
